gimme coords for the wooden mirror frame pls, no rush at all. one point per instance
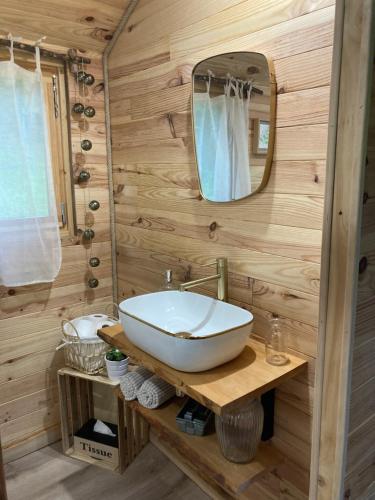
(272, 124)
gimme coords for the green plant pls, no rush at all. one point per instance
(115, 355)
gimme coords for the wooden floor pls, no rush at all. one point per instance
(47, 474)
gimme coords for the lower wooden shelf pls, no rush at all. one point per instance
(202, 455)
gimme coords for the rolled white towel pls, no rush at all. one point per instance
(132, 381)
(154, 392)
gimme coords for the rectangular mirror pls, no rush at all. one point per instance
(233, 113)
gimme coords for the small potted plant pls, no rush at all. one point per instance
(117, 363)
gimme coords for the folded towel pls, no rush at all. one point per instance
(132, 381)
(154, 392)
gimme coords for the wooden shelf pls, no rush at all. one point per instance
(202, 454)
(247, 376)
(101, 379)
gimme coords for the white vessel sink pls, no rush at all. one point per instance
(187, 331)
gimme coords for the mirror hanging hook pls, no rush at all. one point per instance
(208, 83)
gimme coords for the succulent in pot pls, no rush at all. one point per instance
(117, 364)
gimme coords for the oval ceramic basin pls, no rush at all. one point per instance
(187, 331)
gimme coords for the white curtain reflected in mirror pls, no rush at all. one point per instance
(226, 107)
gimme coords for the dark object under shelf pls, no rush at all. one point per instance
(195, 419)
(268, 401)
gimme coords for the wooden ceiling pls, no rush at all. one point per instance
(81, 24)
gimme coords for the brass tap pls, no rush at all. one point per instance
(221, 276)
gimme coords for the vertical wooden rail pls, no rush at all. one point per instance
(69, 405)
(84, 400)
(3, 490)
(137, 433)
(77, 383)
(129, 433)
(61, 379)
(122, 452)
(343, 226)
(90, 398)
(73, 404)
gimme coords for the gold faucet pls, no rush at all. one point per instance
(221, 276)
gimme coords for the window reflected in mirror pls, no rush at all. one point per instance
(233, 109)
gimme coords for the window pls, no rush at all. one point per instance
(54, 91)
(54, 80)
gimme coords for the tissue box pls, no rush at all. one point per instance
(95, 445)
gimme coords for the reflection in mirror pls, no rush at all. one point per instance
(233, 108)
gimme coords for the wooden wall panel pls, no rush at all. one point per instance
(30, 316)
(360, 471)
(273, 239)
(87, 24)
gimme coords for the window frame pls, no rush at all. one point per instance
(59, 133)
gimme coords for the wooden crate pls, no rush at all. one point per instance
(76, 408)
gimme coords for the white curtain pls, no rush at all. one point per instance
(239, 138)
(214, 156)
(221, 126)
(30, 249)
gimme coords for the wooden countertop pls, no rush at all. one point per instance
(247, 376)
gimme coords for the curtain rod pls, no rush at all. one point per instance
(223, 81)
(45, 53)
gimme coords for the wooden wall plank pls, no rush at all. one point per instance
(28, 404)
(344, 372)
(285, 210)
(88, 24)
(27, 384)
(16, 431)
(25, 366)
(287, 177)
(297, 243)
(154, 21)
(300, 275)
(239, 20)
(45, 320)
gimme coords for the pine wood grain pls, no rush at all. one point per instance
(299, 275)
(161, 220)
(239, 20)
(84, 25)
(272, 208)
(298, 243)
(338, 453)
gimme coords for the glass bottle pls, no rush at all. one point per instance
(168, 280)
(239, 431)
(276, 344)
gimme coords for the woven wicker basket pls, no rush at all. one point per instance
(84, 354)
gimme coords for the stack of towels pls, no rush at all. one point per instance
(150, 390)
